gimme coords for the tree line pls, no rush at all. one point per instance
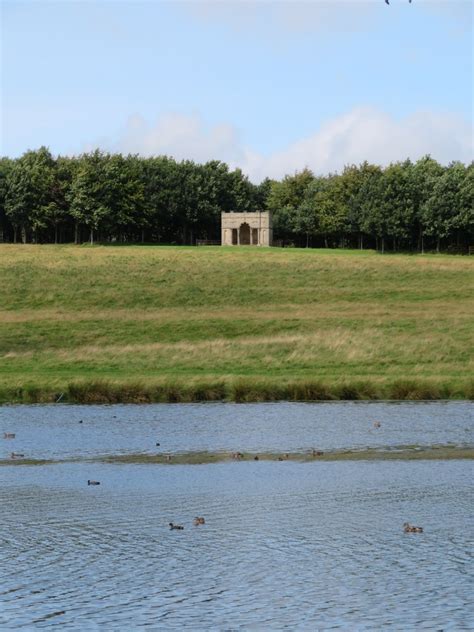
(406, 206)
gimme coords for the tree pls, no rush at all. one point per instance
(88, 197)
(285, 198)
(426, 171)
(323, 211)
(30, 184)
(373, 220)
(398, 201)
(6, 166)
(443, 211)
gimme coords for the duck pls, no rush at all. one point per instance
(17, 455)
(168, 457)
(377, 424)
(409, 528)
(157, 445)
(255, 458)
(198, 520)
(9, 435)
(317, 453)
(237, 455)
(89, 482)
(176, 526)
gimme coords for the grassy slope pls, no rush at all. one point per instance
(255, 318)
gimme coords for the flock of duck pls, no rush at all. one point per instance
(238, 456)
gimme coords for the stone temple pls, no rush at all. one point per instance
(252, 228)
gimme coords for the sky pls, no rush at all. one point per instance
(271, 87)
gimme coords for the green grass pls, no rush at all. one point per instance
(141, 324)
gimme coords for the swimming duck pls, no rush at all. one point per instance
(317, 453)
(409, 528)
(255, 458)
(377, 424)
(198, 520)
(89, 482)
(9, 435)
(176, 526)
(17, 455)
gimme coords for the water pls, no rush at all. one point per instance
(285, 545)
(55, 432)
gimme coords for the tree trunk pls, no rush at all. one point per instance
(76, 233)
(143, 236)
(383, 245)
(23, 235)
(307, 240)
(92, 236)
(361, 241)
(15, 230)
(438, 240)
(55, 233)
(326, 241)
(422, 244)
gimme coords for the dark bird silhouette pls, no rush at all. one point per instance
(9, 435)
(409, 528)
(176, 526)
(17, 455)
(89, 482)
(157, 445)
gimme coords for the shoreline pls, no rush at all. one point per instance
(399, 453)
(244, 390)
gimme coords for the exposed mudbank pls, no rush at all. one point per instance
(402, 453)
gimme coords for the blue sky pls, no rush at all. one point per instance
(267, 86)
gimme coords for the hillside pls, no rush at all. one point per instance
(169, 323)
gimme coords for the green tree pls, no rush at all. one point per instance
(89, 196)
(30, 184)
(6, 166)
(398, 201)
(442, 213)
(426, 171)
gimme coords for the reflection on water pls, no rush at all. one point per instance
(295, 545)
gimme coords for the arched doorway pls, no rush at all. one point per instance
(244, 234)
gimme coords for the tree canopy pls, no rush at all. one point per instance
(105, 197)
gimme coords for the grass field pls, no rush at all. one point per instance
(180, 324)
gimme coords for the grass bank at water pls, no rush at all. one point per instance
(164, 324)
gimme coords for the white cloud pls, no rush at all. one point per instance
(362, 134)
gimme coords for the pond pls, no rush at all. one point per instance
(285, 544)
